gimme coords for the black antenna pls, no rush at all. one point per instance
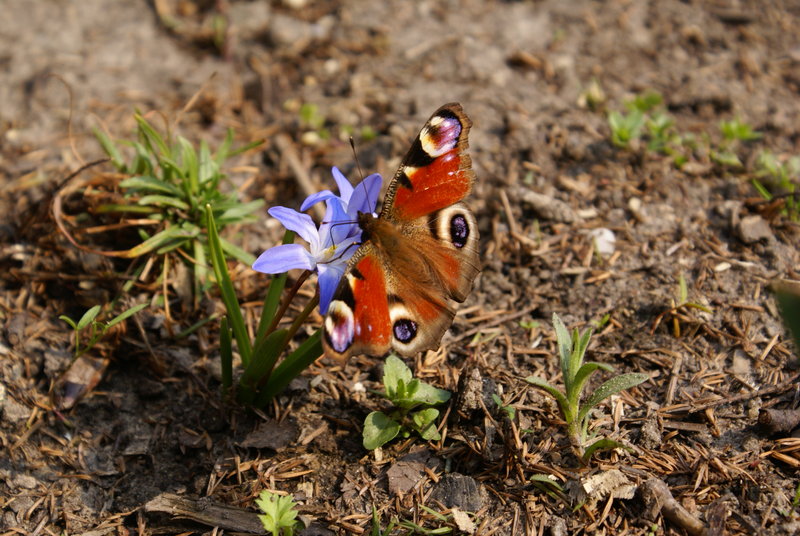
(355, 155)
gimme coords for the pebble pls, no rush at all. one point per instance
(751, 229)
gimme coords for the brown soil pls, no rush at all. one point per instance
(156, 423)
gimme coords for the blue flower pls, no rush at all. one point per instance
(331, 244)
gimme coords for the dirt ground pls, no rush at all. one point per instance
(155, 437)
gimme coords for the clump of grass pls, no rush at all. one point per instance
(170, 182)
(576, 373)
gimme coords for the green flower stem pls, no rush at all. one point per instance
(286, 302)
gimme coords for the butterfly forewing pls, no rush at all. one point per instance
(417, 257)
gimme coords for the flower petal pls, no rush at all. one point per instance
(313, 199)
(282, 258)
(345, 188)
(336, 226)
(329, 276)
(365, 195)
(298, 222)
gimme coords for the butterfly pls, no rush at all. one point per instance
(417, 257)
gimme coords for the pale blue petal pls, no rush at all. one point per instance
(300, 223)
(336, 226)
(346, 248)
(345, 188)
(282, 258)
(313, 199)
(329, 276)
(365, 196)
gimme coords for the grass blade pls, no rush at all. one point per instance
(226, 290)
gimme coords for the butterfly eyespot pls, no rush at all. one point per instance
(459, 230)
(405, 330)
(339, 326)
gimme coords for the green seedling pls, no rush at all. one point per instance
(774, 178)
(376, 525)
(96, 329)
(625, 127)
(406, 394)
(547, 485)
(678, 307)
(280, 513)
(734, 133)
(170, 182)
(510, 411)
(576, 373)
(446, 523)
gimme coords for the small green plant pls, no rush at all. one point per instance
(448, 523)
(407, 394)
(626, 127)
(576, 373)
(679, 305)
(510, 411)
(170, 182)
(280, 515)
(96, 328)
(376, 525)
(775, 178)
(549, 486)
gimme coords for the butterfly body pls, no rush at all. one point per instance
(417, 257)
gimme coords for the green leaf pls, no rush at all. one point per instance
(555, 393)
(226, 290)
(602, 444)
(280, 515)
(396, 375)
(295, 363)
(236, 252)
(69, 321)
(110, 149)
(611, 387)
(264, 357)
(88, 317)
(425, 423)
(379, 430)
(430, 395)
(582, 376)
(126, 314)
(152, 184)
(158, 240)
(564, 343)
(240, 211)
(151, 135)
(163, 200)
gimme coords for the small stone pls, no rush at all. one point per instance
(13, 411)
(754, 228)
(459, 491)
(650, 433)
(23, 481)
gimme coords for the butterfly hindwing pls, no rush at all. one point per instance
(417, 257)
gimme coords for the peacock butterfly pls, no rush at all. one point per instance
(417, 257)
